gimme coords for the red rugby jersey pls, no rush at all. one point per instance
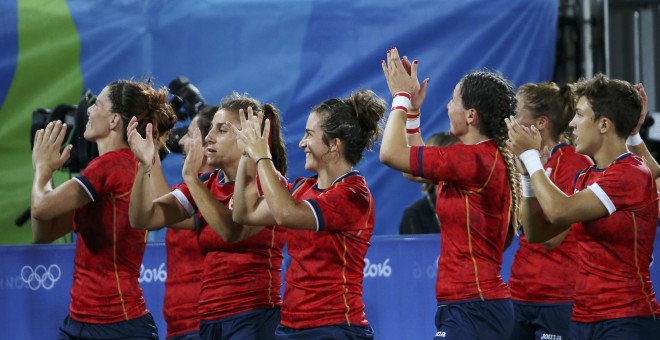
(539, 275)
(238, 277)
(324, 279)
(108, 251)
(474, 208)
(616, 251)
(185, 267)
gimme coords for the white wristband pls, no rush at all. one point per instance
(527, 189)
(532, 160)
(634, 140)
(401, 101)
(412, 123)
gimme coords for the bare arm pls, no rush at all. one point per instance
(50, 230)
(51, 209)
(416, 179)
(216, 214)
(249, 208)
(551, 212)
(395, 150)
(555, 241)
(561, 210)
(640, 149)
(51, 220)
(286, 211)
(145, 211)
(417, 96)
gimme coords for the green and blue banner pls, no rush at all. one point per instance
(292, 53)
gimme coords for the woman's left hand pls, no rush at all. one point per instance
(46, 151)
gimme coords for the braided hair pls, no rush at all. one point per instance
(494, 99)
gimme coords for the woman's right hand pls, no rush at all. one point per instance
(47, 143)
(240, 144)
(397, 77)
(194, 158)
(254, 141)
(645, 102)
(142, 148)
(522, 138)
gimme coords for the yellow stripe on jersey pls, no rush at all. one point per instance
(474, 260)
(114, 250)
(639, 271)
(343, 275)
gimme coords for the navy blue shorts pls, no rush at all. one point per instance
(257, 324)
(474, 319)
(143, 327)
(194, 335)
(541, 320)
(342, 331)
(639, 328)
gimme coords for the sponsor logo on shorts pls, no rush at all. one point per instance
(546, 336)
(440, 334)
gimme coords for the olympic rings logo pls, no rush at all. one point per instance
(40, 276)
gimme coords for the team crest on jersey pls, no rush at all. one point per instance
(548, 171)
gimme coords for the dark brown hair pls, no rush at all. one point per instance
(614, 99)
(235, 101)
(549, 100)
(131, 98)
(354, 120)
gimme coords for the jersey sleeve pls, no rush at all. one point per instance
(102, 176)
(621, 188)
(566, 171)
(342, 207)
(182, 193)
(467, 165)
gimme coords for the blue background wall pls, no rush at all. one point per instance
(292, 53)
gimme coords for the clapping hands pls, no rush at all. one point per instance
(46, 153)
(254, 142)
(143, 148)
